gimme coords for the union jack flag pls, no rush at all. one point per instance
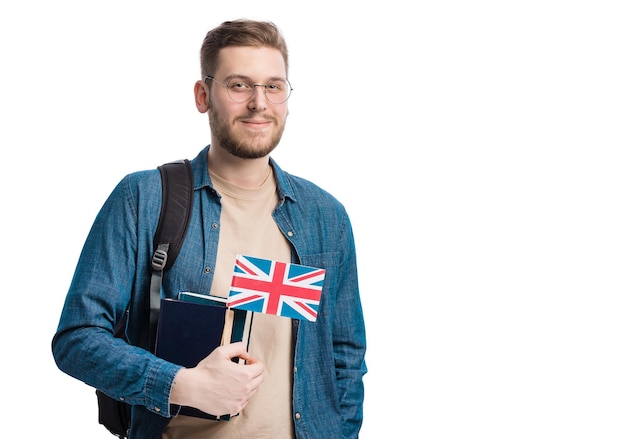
(278, 288)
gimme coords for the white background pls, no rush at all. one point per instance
(478, 147)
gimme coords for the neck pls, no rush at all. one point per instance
(244, 173)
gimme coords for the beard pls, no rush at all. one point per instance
(245, 147)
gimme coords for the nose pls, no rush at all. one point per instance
(258, 101)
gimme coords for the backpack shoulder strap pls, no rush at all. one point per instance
(177, 195)
(176, 207)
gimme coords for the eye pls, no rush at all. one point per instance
(239, 86)
(275, 87)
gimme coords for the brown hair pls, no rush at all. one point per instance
(240, 33)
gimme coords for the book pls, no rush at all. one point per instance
(238, 322)
(192, 326)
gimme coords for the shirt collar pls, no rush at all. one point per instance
(200, 166)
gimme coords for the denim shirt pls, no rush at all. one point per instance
(113, 275)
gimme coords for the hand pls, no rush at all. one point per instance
(218, 385)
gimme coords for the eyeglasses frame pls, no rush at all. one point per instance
(253, 86)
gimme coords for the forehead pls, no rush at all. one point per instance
(254, 62)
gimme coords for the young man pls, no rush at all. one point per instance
(301, 379)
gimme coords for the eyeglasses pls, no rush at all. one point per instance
(277, 91)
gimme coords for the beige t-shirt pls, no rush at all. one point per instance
(247, 227)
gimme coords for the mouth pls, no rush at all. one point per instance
(257, 124)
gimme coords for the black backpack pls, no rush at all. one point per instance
(177, 204)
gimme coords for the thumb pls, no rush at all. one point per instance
(234, 350)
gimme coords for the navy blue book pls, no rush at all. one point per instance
(191, 328)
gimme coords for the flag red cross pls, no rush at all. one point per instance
(275, 287)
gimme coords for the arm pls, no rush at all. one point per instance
(113, 271)
(111, 274)
(349, 341)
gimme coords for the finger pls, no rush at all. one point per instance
(233, 350)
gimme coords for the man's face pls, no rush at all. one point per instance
(252, 128)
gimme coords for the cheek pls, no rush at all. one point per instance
(282, 113)
(218, 110)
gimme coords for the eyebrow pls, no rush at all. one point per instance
(247, 78)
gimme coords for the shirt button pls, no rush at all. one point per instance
(215, 225)
(290, 233)
(298, 416)
(158, 410)
(295, 369)
(121, 398)
(207, 269)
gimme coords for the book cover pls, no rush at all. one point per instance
(191, 327)
(187, 331)
(238, 322)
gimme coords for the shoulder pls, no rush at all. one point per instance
(137, 193)
(311, 203)
(302, 191)
(145, 183)
(307, 189)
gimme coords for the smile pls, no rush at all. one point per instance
(257, 123)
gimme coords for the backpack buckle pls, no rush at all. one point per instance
(159, 259)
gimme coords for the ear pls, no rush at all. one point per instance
(201, 94)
